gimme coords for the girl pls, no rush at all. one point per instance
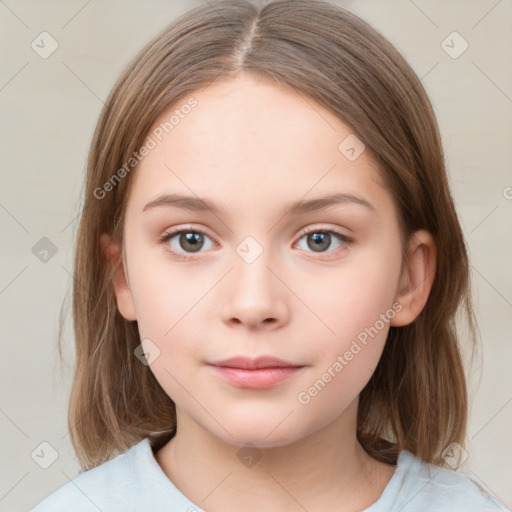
(267, 273)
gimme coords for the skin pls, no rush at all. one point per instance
(253, 147)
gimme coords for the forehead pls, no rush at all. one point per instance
(246, 139)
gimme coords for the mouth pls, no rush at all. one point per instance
(248, 363)
(259, 373)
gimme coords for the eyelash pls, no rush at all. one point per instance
(171, 234)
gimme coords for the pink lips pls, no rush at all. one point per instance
(262, 372)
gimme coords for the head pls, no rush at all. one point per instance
(266, 110)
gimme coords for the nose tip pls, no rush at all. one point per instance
(254, 296)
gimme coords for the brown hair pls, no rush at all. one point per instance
(417, 398)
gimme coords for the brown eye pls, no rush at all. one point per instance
(320, 240)
(191, 241)
(185, 241)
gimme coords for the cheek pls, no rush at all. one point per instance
(166, 294)
(354, 303)
(350, 299)
(169, 300)
(358, 314)
(167, 315)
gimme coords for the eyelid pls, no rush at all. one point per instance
(320, 228)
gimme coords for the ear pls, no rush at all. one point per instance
(122, 289)
(417, 277)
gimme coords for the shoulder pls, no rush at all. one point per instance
(427, 487)
(94, 489)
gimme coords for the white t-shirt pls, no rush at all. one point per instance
(134, 481)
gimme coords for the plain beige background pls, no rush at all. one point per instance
(49, 107)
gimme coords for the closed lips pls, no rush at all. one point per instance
(254, 364)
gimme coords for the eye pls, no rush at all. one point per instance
(190, 240)
(318, 240)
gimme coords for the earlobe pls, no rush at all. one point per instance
(417, 278)
(122, 291)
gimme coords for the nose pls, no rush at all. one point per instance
(254, 295)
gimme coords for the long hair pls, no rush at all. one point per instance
(417, 397)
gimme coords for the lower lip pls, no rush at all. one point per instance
(256, 379)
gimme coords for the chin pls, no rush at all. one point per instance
(269, 435)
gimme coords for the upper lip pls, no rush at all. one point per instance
(248, 363)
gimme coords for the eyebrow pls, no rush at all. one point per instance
(294, 208)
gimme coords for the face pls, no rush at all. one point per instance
(315, 287)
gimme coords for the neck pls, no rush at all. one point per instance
(318, 472)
